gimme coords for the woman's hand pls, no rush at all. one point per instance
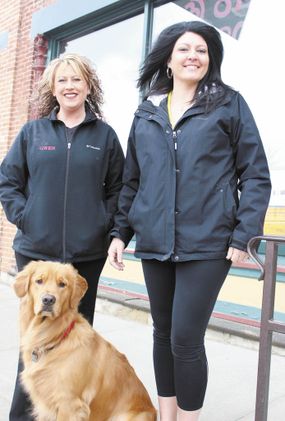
(115, 254)
(236, 255)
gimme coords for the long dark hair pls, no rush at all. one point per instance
(153, 79)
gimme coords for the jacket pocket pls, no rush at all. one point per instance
(150, 229)
(26, 213)
(229, 202)
(107, 217)
(42, 225)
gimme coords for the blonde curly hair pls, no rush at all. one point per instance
(46, 101)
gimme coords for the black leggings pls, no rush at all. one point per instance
(21, 407)
(182, 297)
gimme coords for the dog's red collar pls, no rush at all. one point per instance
(38, 352)
(68, 330)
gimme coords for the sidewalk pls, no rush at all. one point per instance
(232, 368)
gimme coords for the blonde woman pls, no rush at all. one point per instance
(60, 181)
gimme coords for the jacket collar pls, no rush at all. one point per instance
(158, 106)
(90, 116)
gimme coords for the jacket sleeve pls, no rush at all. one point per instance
(113, 178)
(13, 180)
(253, 176)
(131, 175)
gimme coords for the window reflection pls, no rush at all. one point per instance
(116, 54)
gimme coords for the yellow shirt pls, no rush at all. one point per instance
(169, 96)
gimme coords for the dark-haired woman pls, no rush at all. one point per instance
(60, 181)
(196, 188)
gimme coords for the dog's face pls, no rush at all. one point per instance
(53, 287)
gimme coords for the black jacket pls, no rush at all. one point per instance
(61, 194)
(180, 187)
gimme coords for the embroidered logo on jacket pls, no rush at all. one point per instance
(93, 147)
(46, 148)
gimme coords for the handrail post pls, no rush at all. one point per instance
(265, 344)
(267, 323)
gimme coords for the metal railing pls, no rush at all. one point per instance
(268, 325)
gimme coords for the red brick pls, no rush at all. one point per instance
(16, 62)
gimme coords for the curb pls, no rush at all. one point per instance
(219, 328)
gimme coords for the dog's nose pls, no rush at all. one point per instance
(48, 300)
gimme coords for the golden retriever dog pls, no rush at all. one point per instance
(70, 372)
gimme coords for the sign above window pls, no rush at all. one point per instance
(226, 15)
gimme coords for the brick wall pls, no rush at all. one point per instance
(16, 84)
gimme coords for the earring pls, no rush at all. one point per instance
(169, 73)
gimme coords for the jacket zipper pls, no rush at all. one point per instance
(65, 202)
(69, 141)
(174, 137)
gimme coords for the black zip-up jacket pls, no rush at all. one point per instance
(180, 187)
(62, 193)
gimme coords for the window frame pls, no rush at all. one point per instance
(99, 19)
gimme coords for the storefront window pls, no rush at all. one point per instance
(116, 53)
(251, 65)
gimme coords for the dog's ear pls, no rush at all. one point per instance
(79, 289)
(22, 280)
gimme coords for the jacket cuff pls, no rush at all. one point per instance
(124, 234)
(240, 245)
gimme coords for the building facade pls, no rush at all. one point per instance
(116, 35)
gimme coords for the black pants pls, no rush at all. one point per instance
(21, 407)
(182, 297)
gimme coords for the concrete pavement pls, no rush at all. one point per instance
(232, 367)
